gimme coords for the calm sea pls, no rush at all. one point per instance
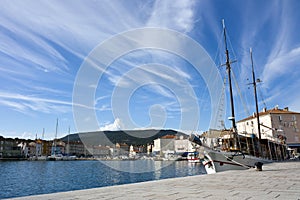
(23, 178)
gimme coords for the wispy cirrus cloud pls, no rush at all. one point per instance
(285, 50)
(281, 64)
(44, 44)
(177, 15)
(271, 31)
(60, 23)
(26, 103)
(75, 28)
(40, 42)
(281, 67)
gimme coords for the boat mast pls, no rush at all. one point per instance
(228, 68)
(255, 96)
(43, 134)
(68, 149)
(54, 141)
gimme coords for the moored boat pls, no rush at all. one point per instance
(193, 157)
(55, 157)
(233, 150)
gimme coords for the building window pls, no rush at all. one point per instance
(293, 117)
(280, 118)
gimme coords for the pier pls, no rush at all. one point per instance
(279, 180)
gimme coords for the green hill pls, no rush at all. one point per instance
(130, 137)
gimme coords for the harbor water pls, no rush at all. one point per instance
(23, 178)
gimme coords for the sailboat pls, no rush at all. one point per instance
(68, 156)
(233, 150)
(54, 152)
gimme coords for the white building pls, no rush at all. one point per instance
(132, 153)
(170, 144)
(164, 145)
(274, 123)
(183, 145)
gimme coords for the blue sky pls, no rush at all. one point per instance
(43, 46)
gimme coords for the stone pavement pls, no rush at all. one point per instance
(276, 181)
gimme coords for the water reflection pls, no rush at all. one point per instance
(138, 166)
(24, 178)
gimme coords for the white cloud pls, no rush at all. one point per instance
(25, 103)
(36, 38)
(174, 14)
(37, 33)
(282, 64)
(272, 34)
(115, 126)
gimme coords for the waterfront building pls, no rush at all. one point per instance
(132, 152)
(122, 149)
(38, 147)
(46, 147)
(30, 149)
(182, 145)
(9, 148)
(149, 148)
(76, 148)
(101, 151)
(274, 123)
(164, 145)
(58, 147)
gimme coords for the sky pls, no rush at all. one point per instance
(53, 63)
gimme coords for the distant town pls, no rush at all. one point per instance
(280, 124)
(163, 145)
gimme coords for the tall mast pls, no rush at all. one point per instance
(228, 68)
(43, 135)
(68, 149)
(255, 95)
(54, 141)
(56, 128)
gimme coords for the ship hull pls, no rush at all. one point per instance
(218, 161)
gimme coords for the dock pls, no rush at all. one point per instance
(279, 180)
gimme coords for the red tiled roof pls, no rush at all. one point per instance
(271, 111)
(168, 137)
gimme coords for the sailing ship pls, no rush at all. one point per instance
(55, 153)
(232, 150)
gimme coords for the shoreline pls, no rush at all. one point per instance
(95, 159)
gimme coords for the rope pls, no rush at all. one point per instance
(240, 94)
(261, 96)
(219, 116)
